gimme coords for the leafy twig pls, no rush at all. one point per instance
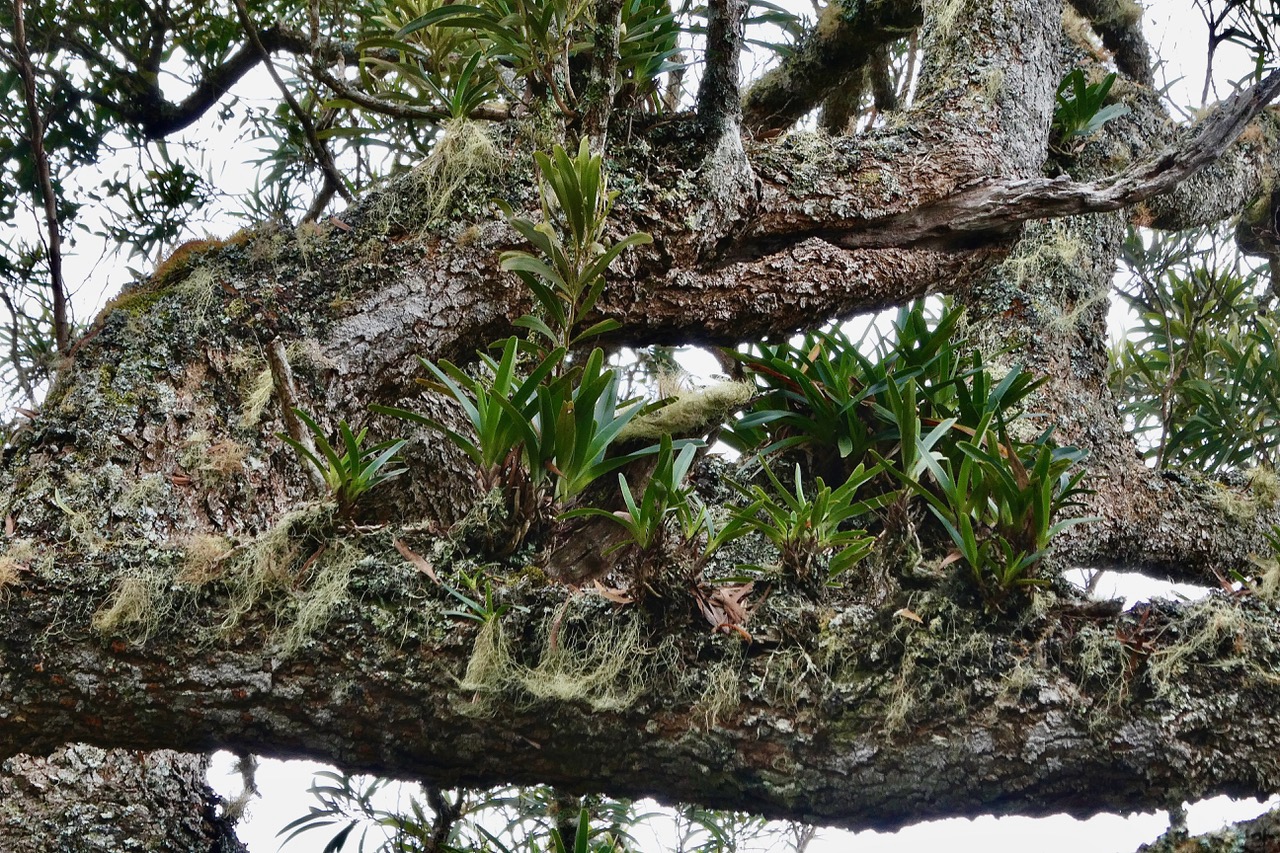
(332, 179)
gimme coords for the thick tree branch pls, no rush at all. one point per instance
(843, 41)
(82, 799)
(980, 129)
(995, 209)
(1119, 23)
(602, 87)
(1223, 188)
(719, 95)
(840, 109)
(1147, 701)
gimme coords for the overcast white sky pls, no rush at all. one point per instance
(1177, 34)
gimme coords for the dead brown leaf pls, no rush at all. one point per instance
(905, 613)
(726, 607)
(419, 562)
(617, 596)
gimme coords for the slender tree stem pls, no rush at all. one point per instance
(332, 177)
(604, 74)
(15, 357)
(720, 95)
(44, 178)
(447, 814)
(287, 394)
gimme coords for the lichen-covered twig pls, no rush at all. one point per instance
(287, 394)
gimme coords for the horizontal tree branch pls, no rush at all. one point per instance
(399, 109)
(859, 717)
(83, 798)
(995, 209)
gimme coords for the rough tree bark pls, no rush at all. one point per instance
(173, 588)
(83, 799)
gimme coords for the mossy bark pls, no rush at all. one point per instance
(841, 709)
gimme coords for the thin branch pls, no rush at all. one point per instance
(63, 40)
(15, 356)
(323, 157)
(287, 395)
(40, 158)
(675, 84)
(603, 84)
(409, 112)
(1256, 835)
(909, 75)
(160, 26)
(313, 29)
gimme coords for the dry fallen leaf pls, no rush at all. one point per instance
(908, 614)
(419, 562)
(725, 606)
(617, 596)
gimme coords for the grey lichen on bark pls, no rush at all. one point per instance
(843, 709)
(1119, 23)
(840, 721)
(83, 799)
(843, 42)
